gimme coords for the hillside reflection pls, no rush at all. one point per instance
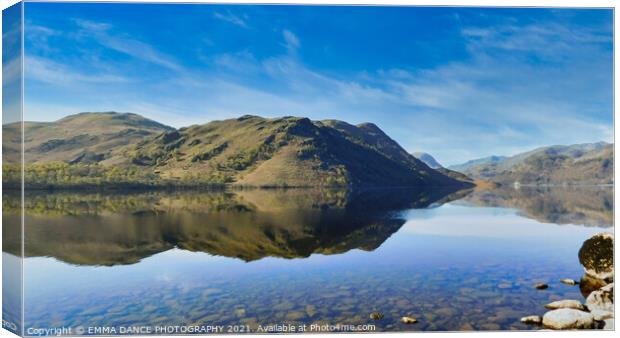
(114, 229)
(587, 206)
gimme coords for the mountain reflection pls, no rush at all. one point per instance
(589, 206)
(112, 229)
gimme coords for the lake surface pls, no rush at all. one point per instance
(455, 261)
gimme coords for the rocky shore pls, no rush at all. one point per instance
(596, 286)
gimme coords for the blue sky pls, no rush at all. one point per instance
(459, 83)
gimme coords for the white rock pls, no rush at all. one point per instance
(566, 319)
(601, 315)
(609, 324)
(601, 299)
(568, 281)
(531, 320)
(408, 320)
(608, 288)
(566, 304)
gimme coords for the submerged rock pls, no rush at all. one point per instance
(569, 281)
(566, 319)
(491, 326)
(408, 320)
(541, 286)
(466, 327)
(602, 299)
(537, 320)
(597, 256)
(566, 304)
(376, 315)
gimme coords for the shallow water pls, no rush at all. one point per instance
(459, 261)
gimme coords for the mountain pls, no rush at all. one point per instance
(427, 159)
(122, 149)
(288, 151)
(430, 161)
(590, 163)
(84, 137)
(475, 163)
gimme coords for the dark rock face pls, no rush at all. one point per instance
(87, 157)
(589, 284)
(597, 256)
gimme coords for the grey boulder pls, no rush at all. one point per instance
(566, 304)
(567, 319)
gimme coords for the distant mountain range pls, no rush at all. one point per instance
(428, 159)
(590, 163)
(478, 162)
(122, 148)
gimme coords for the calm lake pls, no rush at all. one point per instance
(455, 261)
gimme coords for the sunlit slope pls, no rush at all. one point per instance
(123, 149)
(79, 138)
(288, 151)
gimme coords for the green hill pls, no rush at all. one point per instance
(84, 137)
(123, 149)
(288, 151)
(589, 163)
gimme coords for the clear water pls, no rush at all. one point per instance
(460, 261)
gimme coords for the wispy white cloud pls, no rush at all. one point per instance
(231, 18)
(291, 40)
(48, 71)
(11, 71)
(92, 26)
(140, 50)
(102, 33)
(546, 40)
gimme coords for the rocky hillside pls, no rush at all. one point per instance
(289, 151)
(108, 148)
(590, 163)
